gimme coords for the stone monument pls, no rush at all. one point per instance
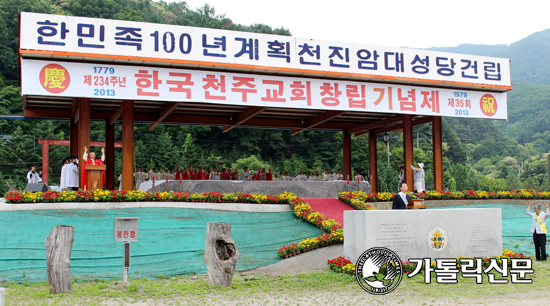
(433, 233)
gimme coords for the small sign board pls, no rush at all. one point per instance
(126, 229)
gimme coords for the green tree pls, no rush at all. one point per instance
(512, 181)
(252, 162)
(530, 184)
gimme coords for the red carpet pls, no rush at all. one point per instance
(331, 208)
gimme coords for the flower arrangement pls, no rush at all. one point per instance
(140, 196)
(343, 265)
(357, 199)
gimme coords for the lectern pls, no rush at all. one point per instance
(94, 176)
(416, 204)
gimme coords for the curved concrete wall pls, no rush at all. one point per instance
(300, 189)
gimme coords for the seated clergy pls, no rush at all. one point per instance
(317, 178)
(338, 176)
(153, 173)
(167, 174)
(247, 174)
(214, 175)
(358, 177)
(327, 176)
(285, 177)
(140, 176)
(300, 177)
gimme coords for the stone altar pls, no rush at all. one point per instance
(308, 189)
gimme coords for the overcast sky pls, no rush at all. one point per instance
(410, 23)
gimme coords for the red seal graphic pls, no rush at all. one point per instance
(54, 78)
(488, 105)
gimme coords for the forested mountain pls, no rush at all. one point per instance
(478, 154)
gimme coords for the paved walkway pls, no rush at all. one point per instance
(331, 208)
(306, 262)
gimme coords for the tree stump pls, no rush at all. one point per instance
(59, 245)
(220, 253)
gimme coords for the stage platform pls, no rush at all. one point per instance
(301, 189)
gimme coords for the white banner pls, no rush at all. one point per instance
(48, 78)
(192, 45)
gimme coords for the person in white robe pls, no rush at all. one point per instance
(358, 177)
(63, 179)
(317, 178)
(327, 176)
(167, 174)
(120, 185)
(153, 173)
(285, 176)
(419, 178)
(247, 174)
(72, 174)
(140, 177)
(215, 174)
(161, 174)
(34, 176)
(308, 176)
(275, 177)
(338, 176)
(300, 177)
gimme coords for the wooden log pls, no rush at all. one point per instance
(220, 253)
(59, 245)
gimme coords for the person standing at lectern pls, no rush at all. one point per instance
(91, 161)
(33, 176)
(401, 198)
(538, 228)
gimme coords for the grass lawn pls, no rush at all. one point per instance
(315, 288)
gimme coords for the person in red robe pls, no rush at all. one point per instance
(270, 175)
(91, 161)
(199, 176)
(233, 176)
(189, 172)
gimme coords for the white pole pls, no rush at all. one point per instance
(124, 276)
(2, 293)
(388, 151)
